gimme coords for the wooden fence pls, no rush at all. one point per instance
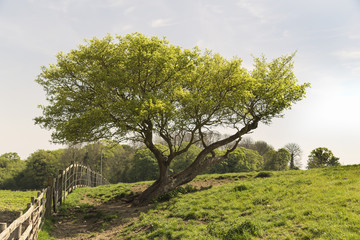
(27, 225)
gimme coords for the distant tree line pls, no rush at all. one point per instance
(130, 163)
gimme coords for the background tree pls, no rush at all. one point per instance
(262, 147)
(135, 87)
(117, 162)
(8, 158)
(39, 167)
(144, 166)
(10, 166)
(240, 160)
(246, 142)
(277, 160)
(184, 160)
(322, 157)
(295, 155)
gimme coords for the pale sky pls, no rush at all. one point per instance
(325, 34)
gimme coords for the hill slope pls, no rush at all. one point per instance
(313, 204)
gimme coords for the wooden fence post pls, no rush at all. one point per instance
(85, 176)
(18, 231)
(49, 197)
(54, 197)
(71, 184)
(60, 186)
(82, 170)
(75, 176)
(79, 175)
(95, 179)
(91, 178)
(65, 184)
(88, 177)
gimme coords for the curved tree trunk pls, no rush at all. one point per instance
(166, 183)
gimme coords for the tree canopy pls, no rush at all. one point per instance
(322, 157)
(137, 87)
(276, 160)
(295, 155)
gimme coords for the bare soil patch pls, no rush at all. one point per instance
(91, 223)
(8, 216)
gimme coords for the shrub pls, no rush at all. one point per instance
(263, 175)
(241, 188)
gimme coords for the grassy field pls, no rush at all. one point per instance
(314, 204)
(15, 200)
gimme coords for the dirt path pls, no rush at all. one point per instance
(8, 216)
(106, 221)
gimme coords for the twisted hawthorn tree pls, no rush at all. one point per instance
(137, 87)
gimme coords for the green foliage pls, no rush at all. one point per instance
(137, 87)
(8, 158)
(184, 160)
(322, 157)
(261, 147)
(264, 175)
(117, 164)
(240, 160)
(277, 160)
(241, 187)
(116, 159)
(10, 167)
(39, 167)
(144, 165)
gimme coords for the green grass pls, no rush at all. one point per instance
(15, 200)
(100, 194)
(314, 204)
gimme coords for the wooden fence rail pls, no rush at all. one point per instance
(27, 225)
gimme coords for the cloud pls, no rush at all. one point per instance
(127, 27)
(354, 36)
(64, 6)
(129, 10)
(214, 8)
(59, 6)
(350, 59)
(161, 22)
(114, 3)
(259, 10)
(255, 10)
(348, 54)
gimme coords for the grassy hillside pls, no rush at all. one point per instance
(313, 204)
